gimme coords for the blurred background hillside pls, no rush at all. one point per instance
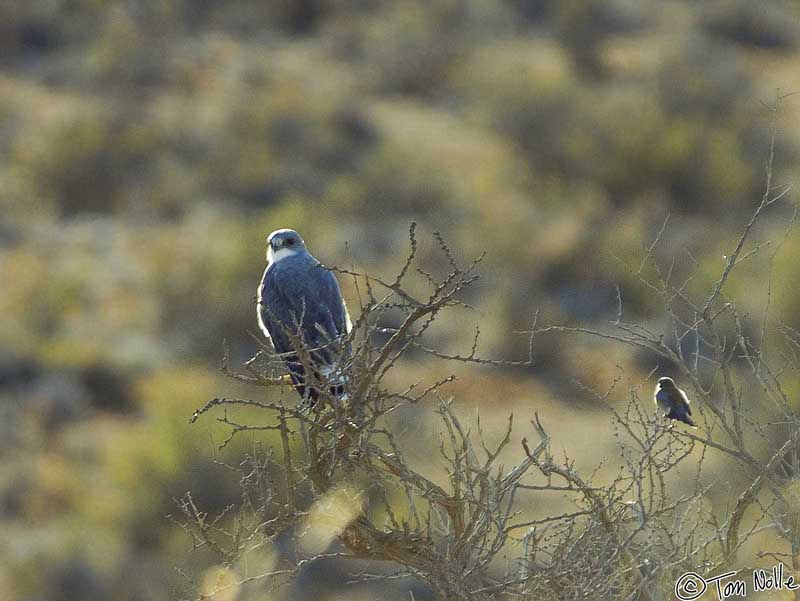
(148, 147)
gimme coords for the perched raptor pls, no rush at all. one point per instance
(673, 401)
(300, 304)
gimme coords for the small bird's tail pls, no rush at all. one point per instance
(681, 416)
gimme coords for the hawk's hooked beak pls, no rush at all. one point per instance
(273, 246)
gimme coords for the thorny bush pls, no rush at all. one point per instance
(630, 536)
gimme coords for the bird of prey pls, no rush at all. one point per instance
(300, 305)
(673, 401)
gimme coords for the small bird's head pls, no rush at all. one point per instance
(666, 382)
(282, 243)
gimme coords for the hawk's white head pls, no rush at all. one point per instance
(284, 243)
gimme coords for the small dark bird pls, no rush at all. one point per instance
(673, 402)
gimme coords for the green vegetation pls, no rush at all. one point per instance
(148, 148)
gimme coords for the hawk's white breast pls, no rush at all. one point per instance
(280, 254)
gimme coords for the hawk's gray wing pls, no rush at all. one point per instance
(298, 296)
